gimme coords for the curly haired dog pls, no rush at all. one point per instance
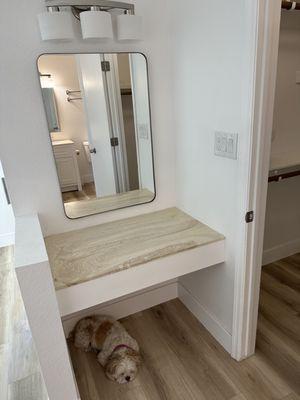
(117, 351)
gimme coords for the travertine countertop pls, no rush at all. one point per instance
(90, 253)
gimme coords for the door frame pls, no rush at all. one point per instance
(135, 123)
(114, 107)
(264, 32)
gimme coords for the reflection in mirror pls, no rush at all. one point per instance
(99, 103)
(51, 109)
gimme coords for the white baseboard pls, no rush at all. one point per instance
(127, 305)
(206, 319)
(278, 252)
(7, 239)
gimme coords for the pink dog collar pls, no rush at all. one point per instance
(121, 346)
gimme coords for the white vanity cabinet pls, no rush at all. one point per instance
(67, 165)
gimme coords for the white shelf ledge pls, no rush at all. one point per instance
(104, 262)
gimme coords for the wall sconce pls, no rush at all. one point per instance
(95, 18)
(129, 27)
(96, 24)
(56, 24)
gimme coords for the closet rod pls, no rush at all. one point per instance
(280, 177)
(290, 5)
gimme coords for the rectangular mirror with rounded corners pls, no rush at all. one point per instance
(98, 113)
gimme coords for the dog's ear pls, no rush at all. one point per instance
(111, 365)
(134, 356)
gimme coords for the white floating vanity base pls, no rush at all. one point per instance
(88, 294)
(104, 262)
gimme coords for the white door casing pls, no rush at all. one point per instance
(114, 103)
(93, 93)
(139, 84)
(264, 30)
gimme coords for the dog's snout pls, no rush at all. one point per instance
(127, 378)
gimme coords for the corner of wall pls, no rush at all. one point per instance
(205, 318)
(281, 251)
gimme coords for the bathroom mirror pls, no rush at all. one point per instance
(103, 150)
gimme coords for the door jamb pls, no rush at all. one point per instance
(265, 30)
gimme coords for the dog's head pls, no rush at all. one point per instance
(122, 367)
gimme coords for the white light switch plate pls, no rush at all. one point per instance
(226, 144)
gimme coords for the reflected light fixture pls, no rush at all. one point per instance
(46, 81)
(56, 24)
(96, 24)
(95, 18)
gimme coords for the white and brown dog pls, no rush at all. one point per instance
(117, 351)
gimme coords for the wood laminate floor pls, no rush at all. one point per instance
(20, 375)
(182, 361)
(88, 193)
(278, 335)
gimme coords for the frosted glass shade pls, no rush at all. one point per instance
(96, 25)
(56, 25)
(129, 27)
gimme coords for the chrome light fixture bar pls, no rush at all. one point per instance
(95, 18)
(85, 5)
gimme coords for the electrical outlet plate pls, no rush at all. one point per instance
(226, 144)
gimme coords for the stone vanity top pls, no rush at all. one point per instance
(77, 209)
(62, 142)
(86, 254)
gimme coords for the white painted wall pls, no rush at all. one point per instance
(210, 78)
(71, 115)
(7, 220)
(24, 144)
(282, 229)
(198, 84)
(286, 125)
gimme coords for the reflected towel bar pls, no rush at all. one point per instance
(75, 98)
(68, 92)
